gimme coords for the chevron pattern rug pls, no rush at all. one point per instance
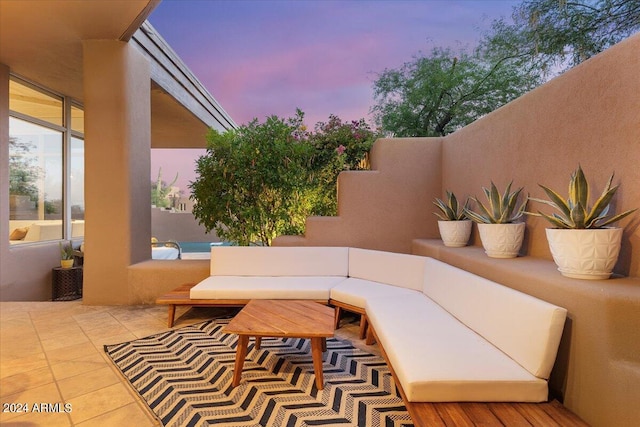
(185, 375)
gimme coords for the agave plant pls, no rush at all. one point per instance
(574, 212)
(501, 208)
(451, 210)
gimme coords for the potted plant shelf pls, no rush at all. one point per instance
(454, 226)
(582, 244)
(500, 231)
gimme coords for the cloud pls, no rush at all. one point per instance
(262, 85)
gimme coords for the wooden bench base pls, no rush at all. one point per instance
(181, 296)
(340, 307)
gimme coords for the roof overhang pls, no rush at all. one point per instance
(174, 88)
(41, 40)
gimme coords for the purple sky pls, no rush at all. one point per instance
(258, 58)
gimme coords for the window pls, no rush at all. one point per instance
(46, 165)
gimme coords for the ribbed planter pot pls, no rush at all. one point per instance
(455, 234)
(502, 240)
(585, 254)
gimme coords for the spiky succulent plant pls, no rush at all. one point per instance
(451, 209)
(501, 208)
(574, 212)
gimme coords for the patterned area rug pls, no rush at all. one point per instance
(185, 375)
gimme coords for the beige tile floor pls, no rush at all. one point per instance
(52, 353)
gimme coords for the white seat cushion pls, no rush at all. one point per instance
(438, 359)
(356, 291)
(265, 287)
(526, 328)
(391, 268)
(279, 261)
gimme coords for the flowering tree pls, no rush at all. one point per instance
(263, 179)
(338, 147)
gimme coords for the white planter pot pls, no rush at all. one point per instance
(585, 254)
(502, 240)
(455, 234)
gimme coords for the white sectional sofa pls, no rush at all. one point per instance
(447, 334)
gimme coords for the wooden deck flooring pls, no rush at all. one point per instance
(493, 414)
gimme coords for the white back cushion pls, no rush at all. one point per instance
(279, 261)
(524, 327)
(391, 268)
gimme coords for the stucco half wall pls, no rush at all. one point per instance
(384, 208)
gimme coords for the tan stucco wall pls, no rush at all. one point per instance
(117, 186)
(167, 225)
(384, 208)
(152, 278)
(588, 116)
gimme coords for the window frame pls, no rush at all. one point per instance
(67, 135)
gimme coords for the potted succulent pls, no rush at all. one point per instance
(582, 244)
(500, 232)
(454, 226)
(66, 254)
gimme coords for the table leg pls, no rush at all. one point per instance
(241, 353)
(316, 354)
(258, 342)
(171, 315)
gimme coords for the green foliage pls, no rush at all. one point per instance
(263, 179)
(501, 208)
(451, 209)
(437, 94)
(23, 170)
(554, 35)
(574, 211)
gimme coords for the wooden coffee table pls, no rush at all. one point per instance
(287, 319)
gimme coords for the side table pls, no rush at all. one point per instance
(66, 283)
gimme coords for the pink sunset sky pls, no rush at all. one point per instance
(260, 58)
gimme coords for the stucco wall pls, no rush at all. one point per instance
(588, 116)
(384, 208)
(117, 187)
(181, 226)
